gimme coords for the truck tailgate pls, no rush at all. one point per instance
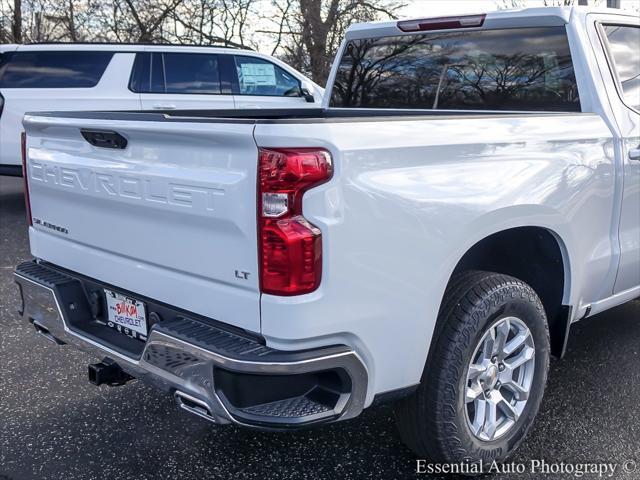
(171, 216)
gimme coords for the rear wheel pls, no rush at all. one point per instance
(485, 375)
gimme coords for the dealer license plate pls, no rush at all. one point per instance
(126, 315)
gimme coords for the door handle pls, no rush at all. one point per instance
(634, 153)
(164, 106)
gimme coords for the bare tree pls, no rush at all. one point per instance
(48, 20)
(284, 9)
(16, 27)
(209, 22)
(310, 31)
(234, 19)
(148, 17)
(215, 22)
(12, 23)
(6, 22)
(132, 21)
(305, 33)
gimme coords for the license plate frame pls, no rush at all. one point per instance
(126, 315)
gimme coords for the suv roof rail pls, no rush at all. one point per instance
(142, 44)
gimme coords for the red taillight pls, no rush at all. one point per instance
(290, 248)
(442, 23)
(27, 200)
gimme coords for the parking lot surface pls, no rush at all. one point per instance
(55, 425)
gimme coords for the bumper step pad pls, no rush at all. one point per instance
(296, 407)
(232, 345)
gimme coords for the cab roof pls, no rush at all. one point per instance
(512, 18)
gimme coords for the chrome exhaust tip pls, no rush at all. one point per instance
(45, 333)
(194, 405)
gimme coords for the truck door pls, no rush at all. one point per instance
(620, 37)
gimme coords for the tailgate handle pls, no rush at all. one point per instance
(104, 138)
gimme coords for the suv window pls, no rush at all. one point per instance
(176, 73)
(141, 74)
(260, 77)
(191, 73)
(514, 69)
(53, 69)
(624, 44)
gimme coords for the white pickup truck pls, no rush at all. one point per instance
(469, 190)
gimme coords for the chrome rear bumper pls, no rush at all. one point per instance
(211, 371)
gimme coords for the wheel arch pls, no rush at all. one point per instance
(508, 250)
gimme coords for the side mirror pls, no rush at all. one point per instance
(306, 90)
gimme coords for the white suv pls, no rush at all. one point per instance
(138, 77)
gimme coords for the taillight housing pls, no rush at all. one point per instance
(27, 200)
(289, 247)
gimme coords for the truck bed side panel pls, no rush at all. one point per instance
(409, 198)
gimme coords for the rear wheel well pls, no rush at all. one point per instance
(533, 255)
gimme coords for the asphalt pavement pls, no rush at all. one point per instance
(55, 425)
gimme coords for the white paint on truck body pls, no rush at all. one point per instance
(404, 207)
(408, 198)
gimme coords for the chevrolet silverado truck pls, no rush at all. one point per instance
(469, 189)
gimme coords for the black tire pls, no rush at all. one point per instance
(432, 421)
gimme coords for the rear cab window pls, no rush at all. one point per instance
(624, 49)
(525, 69)
(53, 69)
